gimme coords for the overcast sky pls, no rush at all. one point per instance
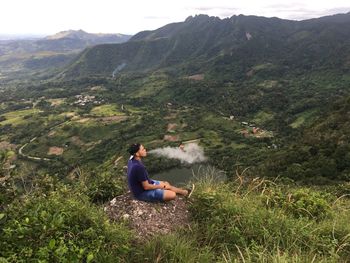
(131, 16)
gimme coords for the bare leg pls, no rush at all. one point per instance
(178, 190)
(169, 195)
(171, 191)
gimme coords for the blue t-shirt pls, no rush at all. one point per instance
(137, 174)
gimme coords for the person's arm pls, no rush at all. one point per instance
(147, 186)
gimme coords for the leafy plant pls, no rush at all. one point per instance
(301, 202)
(60, 227)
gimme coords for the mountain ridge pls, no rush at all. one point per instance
(81, 34)
(51, 52)
(202, 39)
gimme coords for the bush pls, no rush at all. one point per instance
(99, 187)
(103, 187)
(61, 227)
(300, 202)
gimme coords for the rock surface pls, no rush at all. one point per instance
(148, 219)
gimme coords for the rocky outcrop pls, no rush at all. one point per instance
(148, 219)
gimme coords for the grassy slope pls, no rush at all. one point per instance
(258, 221)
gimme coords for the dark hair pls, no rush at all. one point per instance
(134, 148)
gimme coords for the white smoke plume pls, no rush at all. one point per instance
(190, 153)
(117, 69)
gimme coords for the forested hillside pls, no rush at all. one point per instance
(232, 47)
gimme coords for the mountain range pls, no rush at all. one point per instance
(204, 43)
(28, 55)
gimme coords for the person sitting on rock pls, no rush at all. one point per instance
(142, 187)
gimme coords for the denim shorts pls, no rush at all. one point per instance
(152, 195)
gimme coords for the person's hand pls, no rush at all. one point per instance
(167, 185)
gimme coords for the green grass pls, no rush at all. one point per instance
(56, 102)
(95, 132)
(298, 122)
(132, 109)
(255, 221)
(268, 84)
(106, 110)
(53, 119)
(175, 247)
(238, 145)
(303, 118)
(98, 88)
(17, 117)
(150, 86)
(214, 122)
(262, 117)
(259, 221)
(186, 136)
(263, 66)
(89, 133)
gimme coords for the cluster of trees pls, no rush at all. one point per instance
(320, 154)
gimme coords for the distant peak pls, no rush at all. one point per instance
(68, 34)
(83, 35)
(197, 17)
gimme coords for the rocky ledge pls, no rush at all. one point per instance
(148, 219)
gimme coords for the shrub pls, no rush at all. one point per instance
(60, 227)
(301, 202)
(99, 187)
(103, 187)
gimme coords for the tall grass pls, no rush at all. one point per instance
(260, 221)
(256, 221)
(177, 247)
(246, 220)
